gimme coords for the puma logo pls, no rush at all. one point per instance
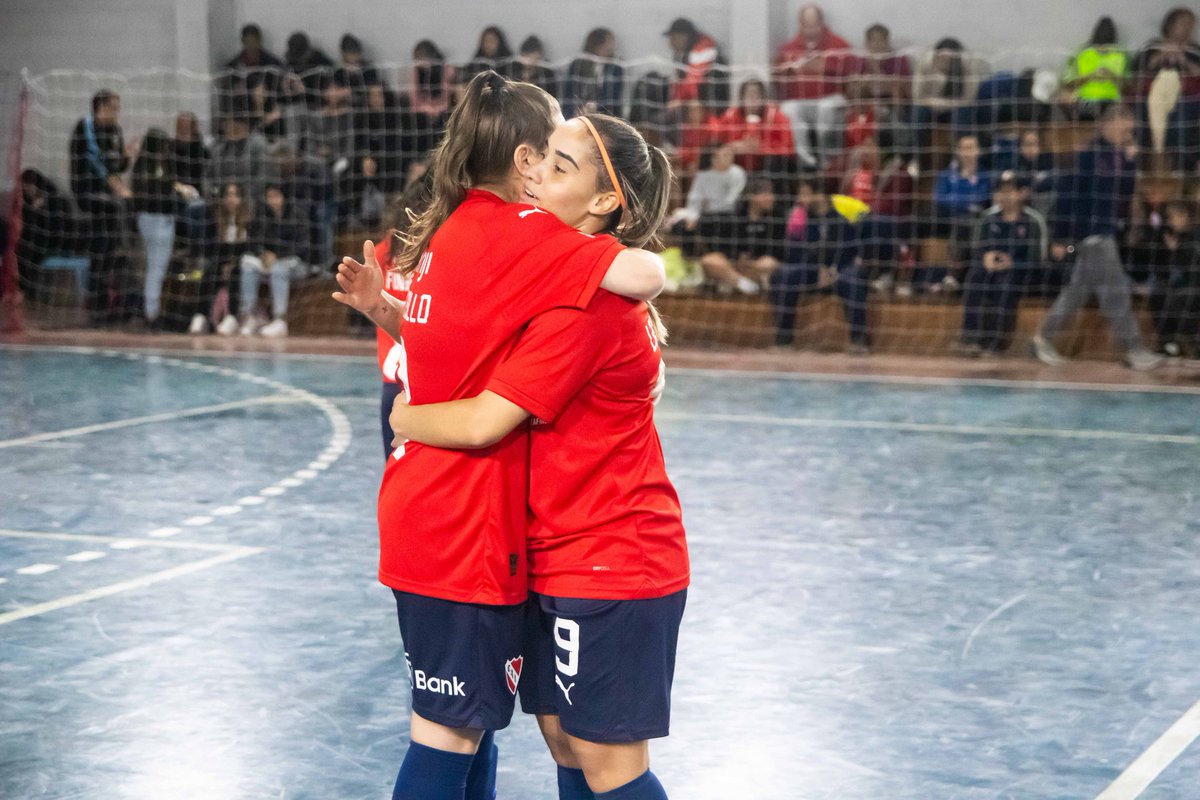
(566, 690)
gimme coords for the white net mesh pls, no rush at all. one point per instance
(881, 203)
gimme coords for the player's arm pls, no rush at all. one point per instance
(637, 274)
(470, 424)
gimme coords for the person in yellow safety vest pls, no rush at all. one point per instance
(1095, 76)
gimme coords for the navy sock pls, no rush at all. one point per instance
(572, 785)
(645, 787)
(481, 780)
(429, 774)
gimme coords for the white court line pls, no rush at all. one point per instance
(1150, 764)
(37, 569)
(747, 374)
(129, 585)
(153, 418)
(126, 542)
(924, 427)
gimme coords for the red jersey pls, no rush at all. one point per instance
(452, 522)
(794, 84)
(388, 352)
(772, 129)
(605, 520)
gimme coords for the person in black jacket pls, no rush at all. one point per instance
(595, 83)
(1175, 298)
(48, 227)
(530, 66)
(275, 247)
(99, 157)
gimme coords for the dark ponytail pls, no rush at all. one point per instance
(646, 179)
(495, 117)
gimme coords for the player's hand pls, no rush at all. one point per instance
(361, 283)
(1058, 252)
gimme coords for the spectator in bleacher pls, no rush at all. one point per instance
(1092, 203)
(595, 83)
(332, 141)
(886, 232)
(48, 227)
(273, 250)
(99, 156)
(239, 155)
(356, 71)
(810, 73)
(743, 250)
(430, 91)
(698, 133)
(493, 52)
(881, 80)
(1035, 168)
(759, 132)
(158, 195)
(379, 133)
(253, 56)
(530, 66)
(216, 299)
(310, 64)
(962, 192)
(1009, 245)
(820, 254)
(1095, 76)
(945, 87)
(700, 73)
(189, 162)
(1175, 298)
(711, 201)
(1168, 71)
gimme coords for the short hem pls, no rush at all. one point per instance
(615, 738)
(450, 722)
(541, 710)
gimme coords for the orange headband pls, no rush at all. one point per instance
(612, 173)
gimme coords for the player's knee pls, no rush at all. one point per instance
(557, 741)
(608, 766)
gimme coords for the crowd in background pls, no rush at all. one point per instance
(933, 148)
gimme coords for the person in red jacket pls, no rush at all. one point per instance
(760, 133)
(700, 73)
(809, 74)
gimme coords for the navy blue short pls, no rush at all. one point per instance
(605, 667)
(464, 659)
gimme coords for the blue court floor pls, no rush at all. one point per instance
(899, 590)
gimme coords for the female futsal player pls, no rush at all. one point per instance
(452, 524)
(607, 555)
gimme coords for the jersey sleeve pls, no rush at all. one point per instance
(555, 357)
(563, 267)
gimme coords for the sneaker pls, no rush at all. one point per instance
(747, 286)
(883, 283)
(276, 329)
(950, 284)
(1172, 350)
(967, 350)
(904, 290)
(251, 326)
(858, 349)
(1045, 352)
(1142, 360)
(199, 325)
(228, 326)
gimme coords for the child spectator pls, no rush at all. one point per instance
(963, 191)
(273, 248)
(1009, 245)
(743, 250)
(711, 202)
(1091, 207)
(1095, 76)
(759, 132)
(820, 255)
(595, 83)
(1175, 298)
(810, 72)
(233, 215)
